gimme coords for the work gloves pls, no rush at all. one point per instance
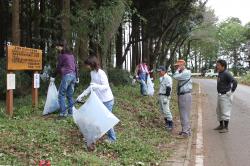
(93, 86)
(81, 96)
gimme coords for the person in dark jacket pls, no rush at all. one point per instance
(66, 67)
(226, 86)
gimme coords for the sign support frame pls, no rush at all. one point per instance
(34, 92)
(9, 99)
(11, 69)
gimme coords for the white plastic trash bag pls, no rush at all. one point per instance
(94, 119)
(150, 86)
(52, 103)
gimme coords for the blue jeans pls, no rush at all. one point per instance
(143, 83)
(111, 132)
(66, 89)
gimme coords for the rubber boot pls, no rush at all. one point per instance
(166, 122)
(220, 127)
(225, 129)
(170, 125)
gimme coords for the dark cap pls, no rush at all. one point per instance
(161, 68)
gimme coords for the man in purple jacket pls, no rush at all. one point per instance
(66, 67)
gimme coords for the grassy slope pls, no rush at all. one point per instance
(29, 137)
(245, 79)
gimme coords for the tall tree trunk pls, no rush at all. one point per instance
(66, 21)
(119, 44)
(26, 23)
(145, 45)
(188, 51)
(2, 37)
(82, 44)
(110, 54)
(130, 52)
(235, 59)
(135, 46)
(173, 53)
(200, 62)
(42, 25)
(15, 23)
(180, 54)
(36, 18)
(195, 61)
(4, 17)
(151, 54)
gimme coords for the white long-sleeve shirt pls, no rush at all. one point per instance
(103, 91)
(165, 82)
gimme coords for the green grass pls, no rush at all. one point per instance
(28, 137)
(245, 79)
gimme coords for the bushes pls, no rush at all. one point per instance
(245, 79)
(119, 77)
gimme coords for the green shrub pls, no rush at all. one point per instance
(119, 77)
(245, 79)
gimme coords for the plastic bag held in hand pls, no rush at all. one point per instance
(52, 103)
(150, 86)
(94, 119)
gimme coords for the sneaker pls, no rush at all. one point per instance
(180, 133)
(183, 135)
(224, 130)
(70, 115)
(61, 116)
(91, 148)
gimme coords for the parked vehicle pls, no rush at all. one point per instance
(211, 73)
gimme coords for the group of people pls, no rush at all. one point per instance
(183, 76)
(226, 86)
(66, 67)
(184, 89)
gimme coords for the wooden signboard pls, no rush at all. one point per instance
(22, 58)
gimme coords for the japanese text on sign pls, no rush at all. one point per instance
(22, 58)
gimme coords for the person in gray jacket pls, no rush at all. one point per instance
(164, 96)
(184, 89)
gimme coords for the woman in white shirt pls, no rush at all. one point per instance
(99, 83)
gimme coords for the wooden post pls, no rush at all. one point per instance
(34, 93)
(9, 100)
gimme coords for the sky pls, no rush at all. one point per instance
(231, 8)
